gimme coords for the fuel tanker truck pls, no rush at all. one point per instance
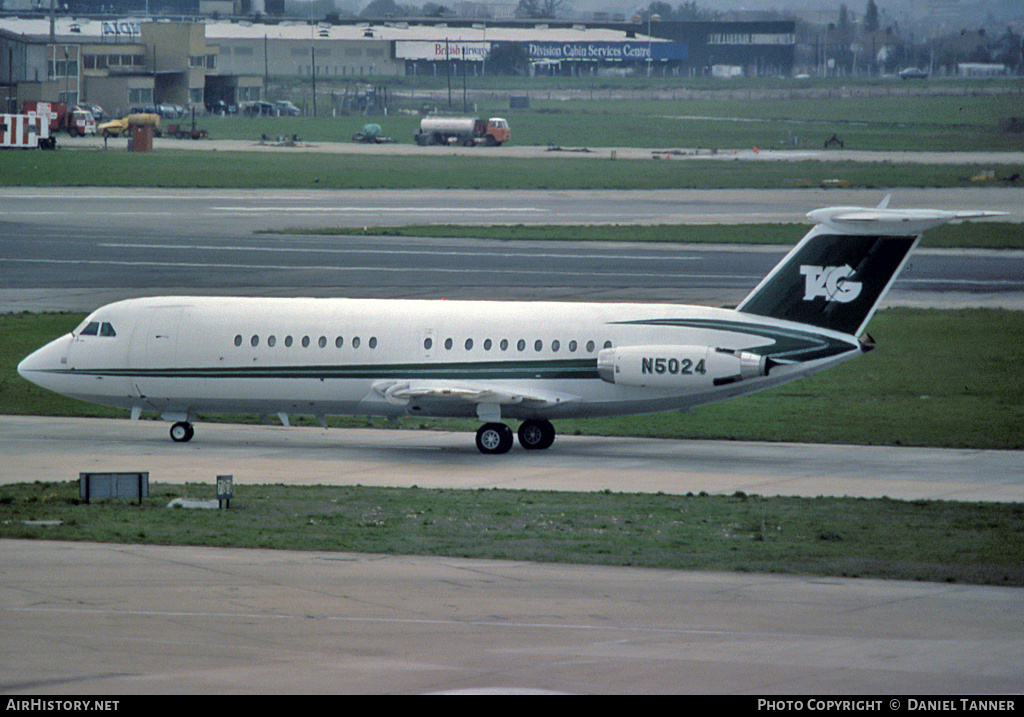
(466, 131)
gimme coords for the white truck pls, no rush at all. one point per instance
(466, 131)
(27, 131)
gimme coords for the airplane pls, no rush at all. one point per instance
(489, 360)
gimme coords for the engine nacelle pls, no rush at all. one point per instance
(678, 367)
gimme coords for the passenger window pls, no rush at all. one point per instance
(538, 345)
(339, 342)
(305, 342)
(107, 330)
(504, 344)
(92, 329)
(271, 341)
(238, 340)
(448, 344)
(590, 347)
(607, 344)
(373, 342)
(555, 345)
(428, 343)
(322, 342)
(469, 344)
(356, 342)
(572, 346)
(255, 341)
(521, 345)
(288, 341)
(487, 344)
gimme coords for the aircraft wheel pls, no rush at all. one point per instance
(494, 438)
(536, 435)
(182, 432)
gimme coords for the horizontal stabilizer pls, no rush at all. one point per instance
(891, 222)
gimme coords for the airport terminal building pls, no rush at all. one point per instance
(124, 63)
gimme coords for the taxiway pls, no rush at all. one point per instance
(88, 619)
(56, 449)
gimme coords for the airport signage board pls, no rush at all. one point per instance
(441, 50)
(621, 51)
(122, 28)
(543, 51)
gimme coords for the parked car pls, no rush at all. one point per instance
(260, 109)
(220, 107)
(913, 73)
(284, 107)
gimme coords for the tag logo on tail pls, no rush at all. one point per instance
(831, 282)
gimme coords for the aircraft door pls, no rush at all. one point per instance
(155, 344)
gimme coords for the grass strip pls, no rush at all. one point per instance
(937, 541)
(903, 122)
(306, 170)
(987, 235)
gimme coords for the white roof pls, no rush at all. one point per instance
(92, 30)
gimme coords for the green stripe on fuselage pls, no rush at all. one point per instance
(467, 371)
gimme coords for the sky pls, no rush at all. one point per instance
(970, 13)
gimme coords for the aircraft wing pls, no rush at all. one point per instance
(402, 393)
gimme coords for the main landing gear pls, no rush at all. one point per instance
(182, 432)
(495, 438)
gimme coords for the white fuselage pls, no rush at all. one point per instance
(182, 355)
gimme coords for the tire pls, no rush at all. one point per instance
(536, 435)
(182, 432)
(494, 438)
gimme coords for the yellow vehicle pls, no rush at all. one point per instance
(117, 127)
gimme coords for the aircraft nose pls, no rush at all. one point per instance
(50, 357)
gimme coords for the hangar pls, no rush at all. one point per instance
(115, 64)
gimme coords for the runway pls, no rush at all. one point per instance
(176, 213)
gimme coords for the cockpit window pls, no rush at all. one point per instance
(95, 328)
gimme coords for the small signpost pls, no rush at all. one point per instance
(225, 490)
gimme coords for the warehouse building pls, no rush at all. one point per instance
(369, 49)
(130, 63)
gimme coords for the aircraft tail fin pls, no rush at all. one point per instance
(837, 275)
